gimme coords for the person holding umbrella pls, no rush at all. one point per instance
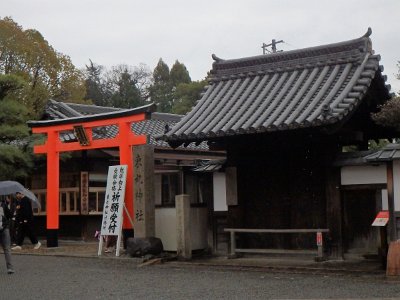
(24, 222)
(5, 216)
(11, 206)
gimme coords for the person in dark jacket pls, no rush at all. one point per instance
(5, 216)
(11, 206)
(24, 222)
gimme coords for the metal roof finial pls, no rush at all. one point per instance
(273, 46)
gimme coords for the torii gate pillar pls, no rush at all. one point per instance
(53, 180)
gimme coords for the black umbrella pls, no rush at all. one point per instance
(11, 187)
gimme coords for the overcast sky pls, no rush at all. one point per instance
(133, 32)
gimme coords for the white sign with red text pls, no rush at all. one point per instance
(381, 219)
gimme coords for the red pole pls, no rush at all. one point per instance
(126, 158)
(53, 175)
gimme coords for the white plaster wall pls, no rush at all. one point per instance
(219, 185)
(198, 227)
(374, 175)
(363, 174)
(166, 227)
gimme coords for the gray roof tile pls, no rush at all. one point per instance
(295, 89)
(152, 127)
(388, 153)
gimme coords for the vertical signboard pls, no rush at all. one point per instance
(139, 187)
(113, 204)
(84, 193)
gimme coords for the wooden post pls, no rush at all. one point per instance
(231, 186)
(390, 191)
(233, 244)
(320, 245)
(334, 210)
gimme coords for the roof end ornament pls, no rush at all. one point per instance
(216, 58)
(326, 111)
(368, 33)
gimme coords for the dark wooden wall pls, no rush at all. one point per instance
(281, 184)
(360, 207)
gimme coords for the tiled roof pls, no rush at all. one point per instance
(303, 88)
(209, 165)
(157, 124)
(60, 110)
(388, 153)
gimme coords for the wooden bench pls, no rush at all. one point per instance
(234, 250)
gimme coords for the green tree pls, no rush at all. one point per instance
(179, 74)
(15, 159)
(127, 86)
(161, 89)
(389, 114)
(165, 85)
(95, 88)
(48, 73)
(186, 95)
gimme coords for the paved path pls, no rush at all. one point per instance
(63, 277)
(286, 263)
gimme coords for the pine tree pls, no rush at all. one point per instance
(15, 158)
(95, 89)
(179, 74)
(161, 90)
(186, 95)
(124, 85)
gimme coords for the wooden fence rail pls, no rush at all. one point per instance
(234, 250)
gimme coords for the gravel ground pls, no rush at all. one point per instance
(48, 277)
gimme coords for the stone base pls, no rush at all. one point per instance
(320, 258)
(138, 247)
(52, 238)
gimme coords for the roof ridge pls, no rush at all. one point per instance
(351, 51)
(91, 105)
(166, 116)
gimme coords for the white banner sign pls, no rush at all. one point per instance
(114, 200)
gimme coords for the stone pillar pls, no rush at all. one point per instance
(143, 191)
(184, 247)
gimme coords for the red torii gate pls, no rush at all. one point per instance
(124, 140)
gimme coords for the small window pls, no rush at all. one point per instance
(96, 200)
